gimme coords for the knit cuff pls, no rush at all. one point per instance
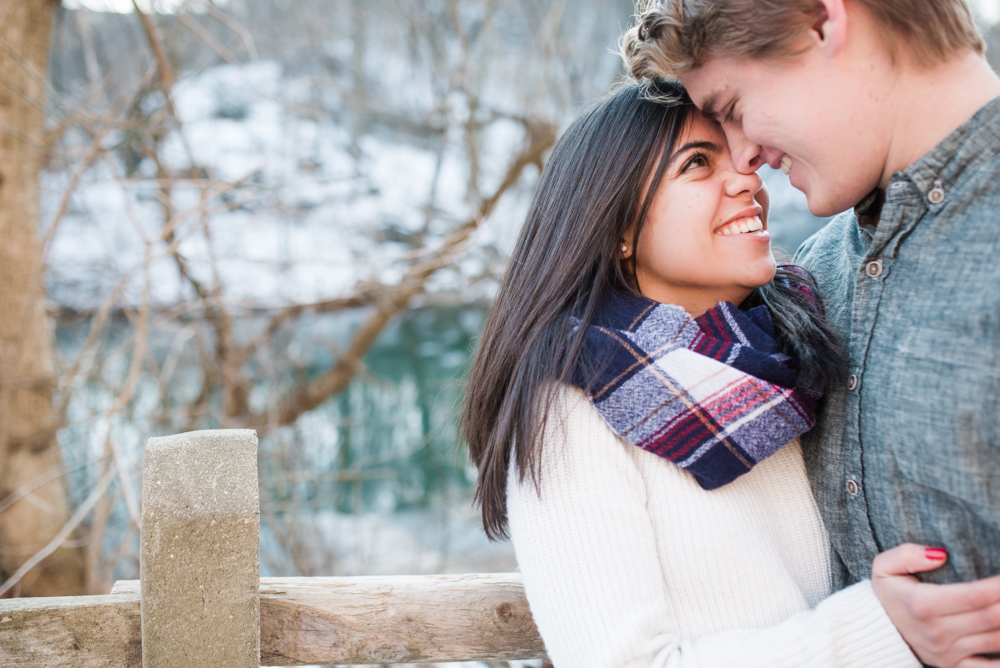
(858, 615)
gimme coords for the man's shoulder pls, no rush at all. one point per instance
(978, 186)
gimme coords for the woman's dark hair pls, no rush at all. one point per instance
(588, 198)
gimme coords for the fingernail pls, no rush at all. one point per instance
(935, 553)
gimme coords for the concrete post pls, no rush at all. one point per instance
(199, 551)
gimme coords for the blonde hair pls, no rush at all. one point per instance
(673, 37)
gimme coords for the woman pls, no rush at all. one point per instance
(638, 431)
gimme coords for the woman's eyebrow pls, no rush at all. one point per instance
(709, 146)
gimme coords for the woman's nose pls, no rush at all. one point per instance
(739, 182)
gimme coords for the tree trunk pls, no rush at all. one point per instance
(28, 447)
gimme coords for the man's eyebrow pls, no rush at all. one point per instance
(709, 107)
(709, 146)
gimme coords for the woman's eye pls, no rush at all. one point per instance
(697, 160)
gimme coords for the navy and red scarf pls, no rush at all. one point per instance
(712, 394)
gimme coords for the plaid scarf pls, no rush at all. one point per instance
(712, 394)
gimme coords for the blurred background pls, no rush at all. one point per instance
(282, 215)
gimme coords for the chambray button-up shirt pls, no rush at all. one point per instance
(908, 447)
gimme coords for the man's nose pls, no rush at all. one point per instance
(747, 156)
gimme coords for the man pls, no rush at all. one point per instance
(890, 108)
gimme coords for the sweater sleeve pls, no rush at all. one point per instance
(588, 554)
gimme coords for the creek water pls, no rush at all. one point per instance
(373, 481)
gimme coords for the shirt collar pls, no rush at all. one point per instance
(868, 209)
(974, 142)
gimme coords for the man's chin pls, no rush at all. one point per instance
(822, 205)
(825, 203)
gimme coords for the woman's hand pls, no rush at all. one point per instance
(948, 625)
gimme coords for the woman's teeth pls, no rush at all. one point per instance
(786, 165)
(742, 226)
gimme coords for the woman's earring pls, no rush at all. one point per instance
(624, 248)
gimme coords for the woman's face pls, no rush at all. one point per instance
(705, 239)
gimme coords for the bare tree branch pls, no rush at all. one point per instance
(540, 137)
(60, 538)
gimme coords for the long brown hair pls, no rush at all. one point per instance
(566, 261)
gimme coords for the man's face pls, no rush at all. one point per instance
(807, 114)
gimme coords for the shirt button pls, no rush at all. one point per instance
(852, 487)
(852, 382)
(936, 195)
(874, 269)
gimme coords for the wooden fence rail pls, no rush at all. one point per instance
(200, 601)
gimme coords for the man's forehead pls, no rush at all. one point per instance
(711, 87)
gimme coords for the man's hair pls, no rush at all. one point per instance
(674, 37)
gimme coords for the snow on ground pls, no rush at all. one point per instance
(306, 221)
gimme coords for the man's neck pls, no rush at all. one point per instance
(932, 102)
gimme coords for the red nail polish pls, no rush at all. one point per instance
(935, 553)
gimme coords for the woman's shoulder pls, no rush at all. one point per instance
(562, 401)
(576, 441)
(570, 419)
(582, 464)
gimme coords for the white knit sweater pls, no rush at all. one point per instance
(628, 563)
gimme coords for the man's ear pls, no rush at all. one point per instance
(830, 29)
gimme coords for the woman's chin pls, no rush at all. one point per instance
(760, 274)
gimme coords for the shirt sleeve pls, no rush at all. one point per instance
(587, 551)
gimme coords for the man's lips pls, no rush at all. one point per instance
(782, 161)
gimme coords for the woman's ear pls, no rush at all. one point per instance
(625, 250)
(830, 29)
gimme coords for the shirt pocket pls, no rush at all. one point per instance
(941, 411)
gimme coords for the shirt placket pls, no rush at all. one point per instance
(868, 294)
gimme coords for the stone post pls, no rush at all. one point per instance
(199, 551)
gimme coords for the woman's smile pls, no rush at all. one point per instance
(743, 223)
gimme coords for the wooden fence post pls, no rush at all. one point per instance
(199, 551)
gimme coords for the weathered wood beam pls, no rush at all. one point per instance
(401, 619)
(390, 619)
(393, 619)
(71, 631)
